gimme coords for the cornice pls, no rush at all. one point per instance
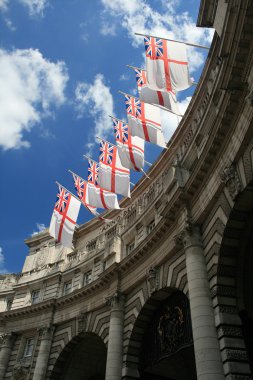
(27, 310)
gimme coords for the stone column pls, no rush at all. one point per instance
(46, 334)
(206, 345)
(115, 343)
(6, 348)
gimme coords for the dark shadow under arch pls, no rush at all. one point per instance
(161, 346)
(83, 358)
(237, 247)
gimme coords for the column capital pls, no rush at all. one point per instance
(46, 332)
(189, 236)
(116, 301)
(6, 338)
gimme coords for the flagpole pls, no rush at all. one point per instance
(88, 158)
(135, 67)
(68, 191)
(155, 105)
(180, 42)
(122, 121)
(70, 171)
(146, 162)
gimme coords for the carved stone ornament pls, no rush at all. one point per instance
(6, 339)
(20, 371)
(152, 278)
(46, 332)
(249, 98)
(189, 236)
(82, 322)
(168, 331)
(116, 301)
(230, 177)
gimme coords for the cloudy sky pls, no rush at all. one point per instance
(62, 63)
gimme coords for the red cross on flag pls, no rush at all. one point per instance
(113, 176)
(167, 65)
(99, 197)
(144, 120)
(64, 217)
(130, 148)
(165, 99)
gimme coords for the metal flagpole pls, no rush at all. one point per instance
(139, 68)
(88, 158)
(68, 191)
(148, 163)
(70, 171)
(112, 117)
(155, 105)
(180, 42)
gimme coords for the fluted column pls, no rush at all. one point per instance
(6, 348)
(115, 343)
(206, 345)
(46, 334)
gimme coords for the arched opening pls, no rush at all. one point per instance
(84, 358)
(165, 345)
(235, 283)
(245, 286)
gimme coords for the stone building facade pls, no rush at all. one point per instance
(164, 291)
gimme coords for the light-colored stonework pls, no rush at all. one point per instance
(187, 229)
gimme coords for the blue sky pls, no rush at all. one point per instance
(62, 63)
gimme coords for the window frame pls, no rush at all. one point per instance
(150, 227)
(87, 277)
(65, 289)
(130, 247)
(35, 299)
(29, 347)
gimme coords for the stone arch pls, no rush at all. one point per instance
(133, 359)
(83, 358)
(233, 286)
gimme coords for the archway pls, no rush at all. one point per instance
(165, 345)
(84, 358)
(234, 287)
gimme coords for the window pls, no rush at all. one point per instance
(29, 344)
(130, 247)
(150, 226)
(67, 287)
(87, 278)
(35, 297)
(8, 304)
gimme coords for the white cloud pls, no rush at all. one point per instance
(170, 121)
(35, 7)
(108, 29)
(96, 99)
(40, 227)
(2, 260)
(4, 5)
(30, 86)
(9, 24)
(124, 77)
(136, 16)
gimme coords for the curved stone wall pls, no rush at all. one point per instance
(119, 272)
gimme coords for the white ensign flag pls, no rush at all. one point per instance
(64, 217)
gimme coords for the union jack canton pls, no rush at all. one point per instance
(153, 47)
(93, 170)
(62, 199)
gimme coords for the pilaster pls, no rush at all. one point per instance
(46, 335)
(7, 341)
(206, 345)
(115, 343)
